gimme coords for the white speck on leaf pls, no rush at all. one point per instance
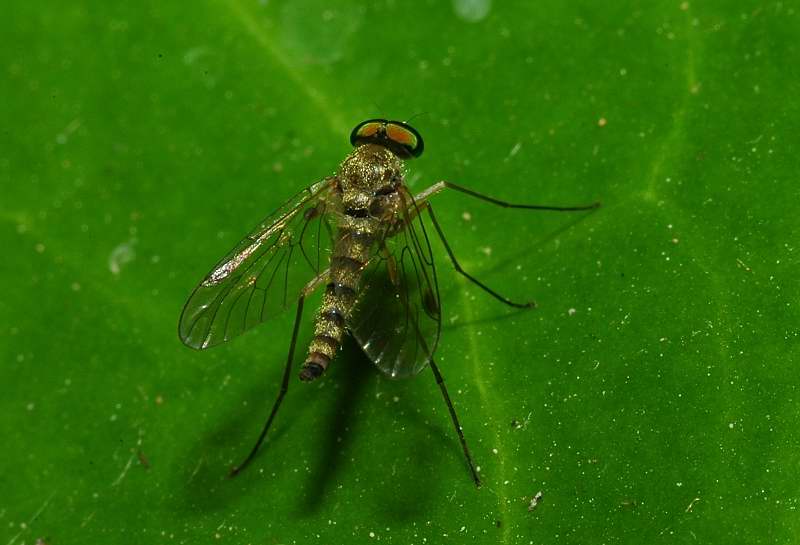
(535, 500)
(121, 255)
(472, 11)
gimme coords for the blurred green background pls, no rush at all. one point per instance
(653, 395)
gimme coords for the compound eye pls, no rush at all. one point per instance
(367, 130)
(402, 139)
(406, 136)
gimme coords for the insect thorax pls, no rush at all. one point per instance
(367, 183)
(369, 169)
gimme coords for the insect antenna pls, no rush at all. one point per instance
(416, 115)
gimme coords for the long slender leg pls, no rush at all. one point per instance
(286, 372)
(454, 418)
(422, 201)
(284, 388)
(440, 186)
(484, 287)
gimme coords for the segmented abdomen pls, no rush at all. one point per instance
(350, 254)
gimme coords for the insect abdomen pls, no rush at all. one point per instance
(347, 263)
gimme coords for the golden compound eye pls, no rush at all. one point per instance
(401, 135)
(368, 129)
(402, 139)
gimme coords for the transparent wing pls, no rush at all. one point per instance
(264, 273)
(397, 317)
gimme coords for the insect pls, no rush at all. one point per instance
(358, 233)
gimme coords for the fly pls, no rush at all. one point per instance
(358, 233)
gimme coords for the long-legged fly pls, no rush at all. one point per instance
(358, 233)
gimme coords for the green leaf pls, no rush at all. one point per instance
(651, 398)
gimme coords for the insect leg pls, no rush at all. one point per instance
(440, 186)
(454, 418)
(286, 372)
(471, 278)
